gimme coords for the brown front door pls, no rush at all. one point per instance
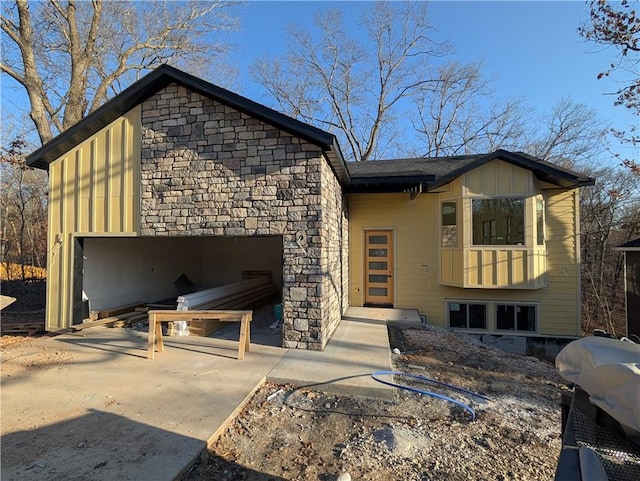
(378, 269)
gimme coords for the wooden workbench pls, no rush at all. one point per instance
(156, 318)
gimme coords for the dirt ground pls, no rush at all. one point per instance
(30, 353)
(286, 433)
(302, 434)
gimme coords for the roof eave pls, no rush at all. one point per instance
(100, 118)
(549, 174)
(337, 162)
(388, 184)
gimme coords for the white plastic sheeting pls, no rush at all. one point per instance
(609, 371)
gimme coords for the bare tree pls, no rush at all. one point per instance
(353, 89)
(617, 25)
(366, 93)
(457, 114)
(569, 134)
(23, 215)
(71, 56)
(610, 216)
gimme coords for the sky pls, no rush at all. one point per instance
(531, 48)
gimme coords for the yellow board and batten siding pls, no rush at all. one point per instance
(562, 295)
(420, 269)
(93, 189)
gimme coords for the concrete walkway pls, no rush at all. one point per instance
(359, 346)
(98, 409)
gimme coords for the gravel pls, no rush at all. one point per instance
(288, 433)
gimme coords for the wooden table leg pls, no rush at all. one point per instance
(152, 336)
(159, 337)
(243, 337)
(248, 341)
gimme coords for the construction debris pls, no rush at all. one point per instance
(28, 328)
(135, 315)
(255, 288)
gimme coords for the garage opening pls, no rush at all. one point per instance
(153, 271)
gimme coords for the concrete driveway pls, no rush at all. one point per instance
(89, 405)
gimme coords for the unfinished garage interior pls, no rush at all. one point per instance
(116, 271)
(176, 178)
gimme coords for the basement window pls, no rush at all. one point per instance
(467, 315)
(516, 317)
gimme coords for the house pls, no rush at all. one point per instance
(177, 176)
(631, 252)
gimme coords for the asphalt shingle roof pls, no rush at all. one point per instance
(432, 166)
(434, 172)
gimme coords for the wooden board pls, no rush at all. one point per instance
(100, 322)
(6, 301)
(115, 311)
(126, 319)
(29, 328)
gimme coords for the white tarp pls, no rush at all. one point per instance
(609, 371)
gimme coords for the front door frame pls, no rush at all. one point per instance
(390, 302)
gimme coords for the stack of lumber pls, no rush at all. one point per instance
(20, 327)
(122, 316)
(238, 295)
(10, 325)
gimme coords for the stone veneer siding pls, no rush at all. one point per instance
(210, 170)
(335, 252)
